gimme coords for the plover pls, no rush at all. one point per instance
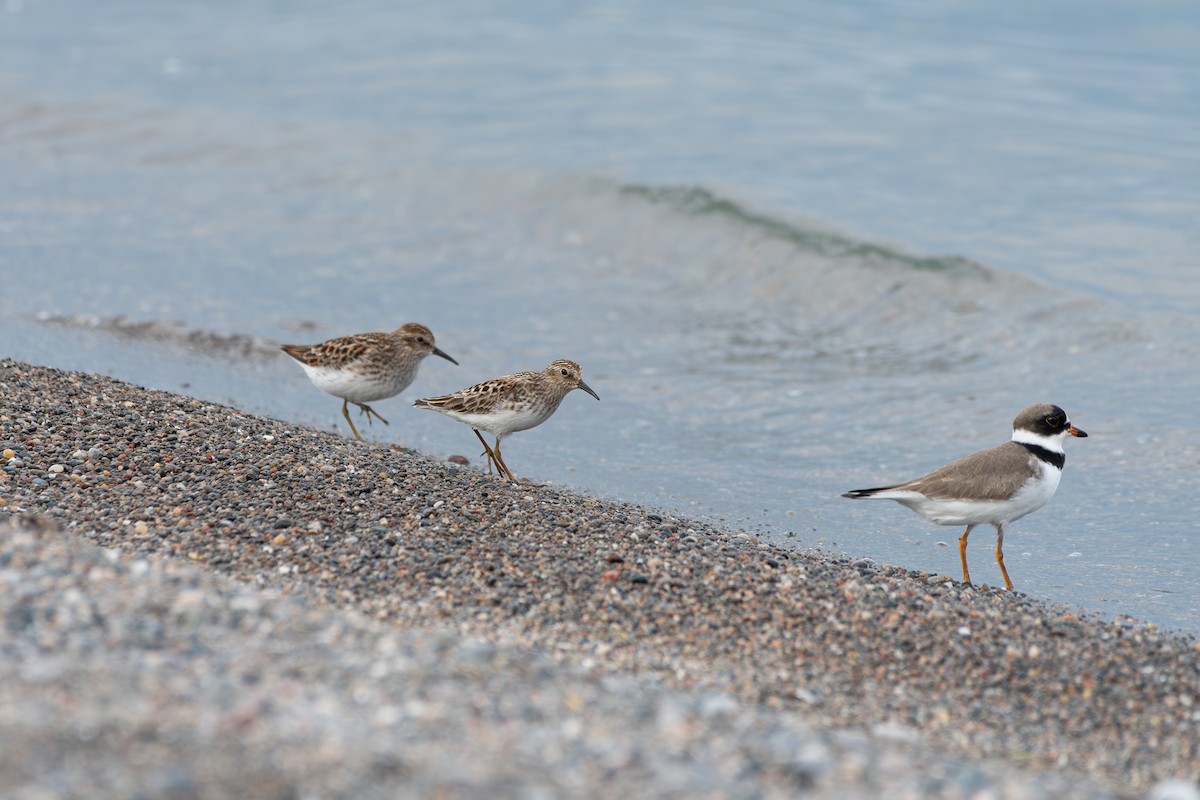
(995, 486)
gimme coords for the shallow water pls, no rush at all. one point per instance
(794, 254)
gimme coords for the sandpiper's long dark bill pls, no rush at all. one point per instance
(509, 404)
(993, 487)
(365, 367)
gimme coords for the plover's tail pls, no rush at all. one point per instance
(858, 494)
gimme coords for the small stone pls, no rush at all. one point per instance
(282, 522)
(56, 468)
(8, 454)
(457, 459)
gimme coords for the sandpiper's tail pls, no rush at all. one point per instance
(297, 351)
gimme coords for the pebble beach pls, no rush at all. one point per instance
(199, 602)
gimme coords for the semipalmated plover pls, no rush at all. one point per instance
(365, 367)
(995, 486)
(509, 404)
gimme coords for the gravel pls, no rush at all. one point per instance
(199, 602)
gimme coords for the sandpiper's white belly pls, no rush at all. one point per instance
(357, 387)
(501, 422)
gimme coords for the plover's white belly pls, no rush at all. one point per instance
(357, 387)
(1029, 498)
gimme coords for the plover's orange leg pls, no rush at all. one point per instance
(962, 552)
(1000, 556)
(350, 422)
(366, 409)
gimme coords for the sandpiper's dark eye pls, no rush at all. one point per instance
(1054, 420)
(563, 371)
(421, 339)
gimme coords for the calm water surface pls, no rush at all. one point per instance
(796, 252)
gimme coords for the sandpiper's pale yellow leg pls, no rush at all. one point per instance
(500, 461)
(350, 422)
(487, 451)
(1000, 557)
(366, 409)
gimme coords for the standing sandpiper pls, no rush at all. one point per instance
(365, 367)
(993, 487)
(513, 403)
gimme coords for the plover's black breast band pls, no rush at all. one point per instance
(1048, 456)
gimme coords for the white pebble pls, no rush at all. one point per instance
(1175, 789)
(56, 468)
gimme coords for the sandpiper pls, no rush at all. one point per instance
(509, 404)
(995, 486)
(365, 367)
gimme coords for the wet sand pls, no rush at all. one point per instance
(206, 602)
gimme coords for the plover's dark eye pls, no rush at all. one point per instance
(1054, 420)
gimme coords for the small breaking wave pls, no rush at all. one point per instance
(232, 346)
(697, 201)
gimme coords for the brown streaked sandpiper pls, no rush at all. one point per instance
(509, 404)
(365, 367)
